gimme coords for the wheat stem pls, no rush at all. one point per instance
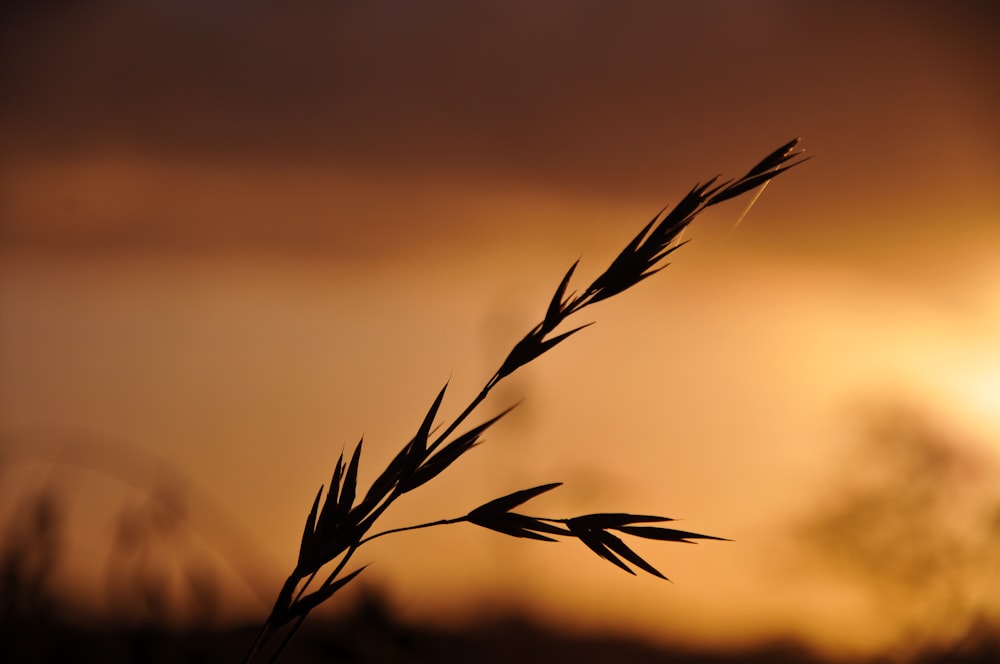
(431, 524)
(339, 526)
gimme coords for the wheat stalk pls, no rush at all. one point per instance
(339, 524)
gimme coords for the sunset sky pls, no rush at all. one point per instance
(234, 237)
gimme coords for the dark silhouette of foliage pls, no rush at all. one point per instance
(334, 531)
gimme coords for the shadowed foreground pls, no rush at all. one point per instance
(369, 633)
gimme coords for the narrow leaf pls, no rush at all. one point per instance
(476, 431)
(604, 520)
(515, 524)
(553, 315)
(549, 343)
(523, 352)
(420, 440)
(512, 529)
(338, 474)
(307, 546)
(647, 274)
(347, 493)
(387, 479)
(640, 237)
(593, 542)
(512, 500)
(665, 534)
(666, 251)
(776, 158)
(314, 599)
(448, 454)
(624, 264)
(708, 193)
(751, 182)
(437, 463)
(622, 549)
(328, 513)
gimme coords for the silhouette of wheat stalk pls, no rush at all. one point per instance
(339, 524)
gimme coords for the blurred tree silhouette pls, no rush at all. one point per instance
(913, 519)
(30, 554)
(159, 569)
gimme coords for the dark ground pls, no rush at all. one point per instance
(370, 635)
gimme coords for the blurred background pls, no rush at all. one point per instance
(236, 237)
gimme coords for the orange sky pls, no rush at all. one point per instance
(240, 237)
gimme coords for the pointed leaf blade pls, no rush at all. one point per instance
(513, 530)
(424, 432)
(549, 343)
(349, 490)
(776, 158)
(593, 541)
(328, 513)
(604, 520)
(314, 599)
(623, 550)
(512, 500)
(666, 534)
(307, 546)
(554, 314)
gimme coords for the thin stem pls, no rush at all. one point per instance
(302, 617)
(441, 522)
(257, 643)
(375, 514)
(288, 638)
